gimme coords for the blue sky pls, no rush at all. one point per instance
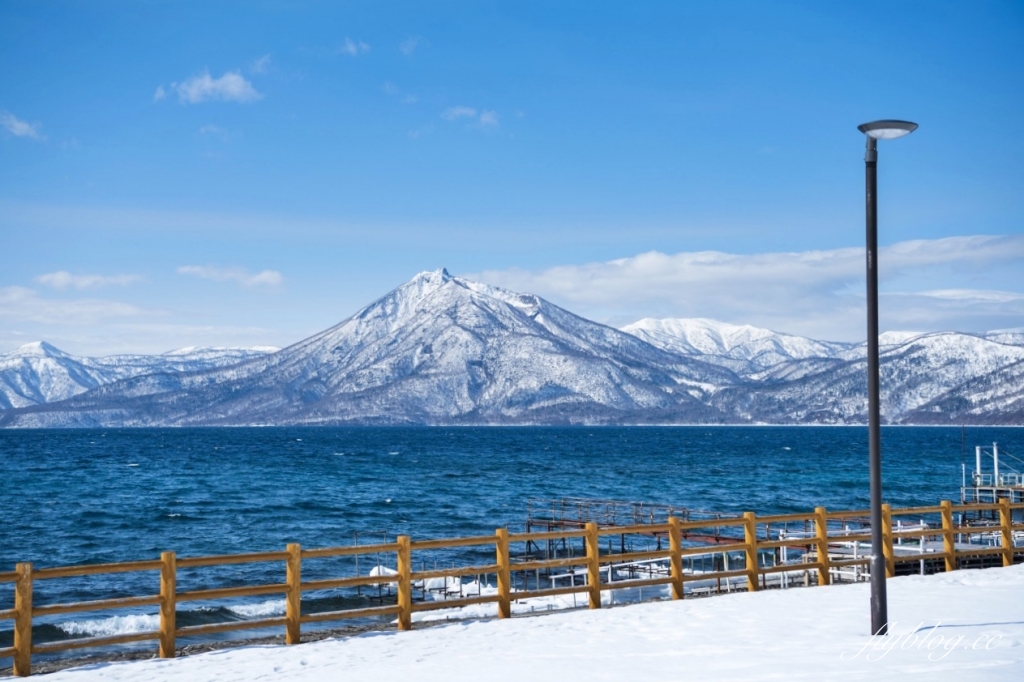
(180, 174)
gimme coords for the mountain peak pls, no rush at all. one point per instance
(435, 277)
(37, 349)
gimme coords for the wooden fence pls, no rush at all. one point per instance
(753, 536)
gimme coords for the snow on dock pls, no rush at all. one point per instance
(947, 626)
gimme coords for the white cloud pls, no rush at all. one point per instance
(231, 87)
(455, 113)
(210, 129)
(239, 275)
(353, 48)
(408, 47)
(141, 335)
(25, 305)
(159, 94)
(483, 119)
(971, 295)
(15, 126)
(261, 65)
(816, 293)
(393, 90)
(62, 279)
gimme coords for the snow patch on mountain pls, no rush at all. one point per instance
(742, 348)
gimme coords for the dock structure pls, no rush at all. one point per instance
(566, 513)
(789, 564)
(1003, 481)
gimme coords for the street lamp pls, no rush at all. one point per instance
(876, 130)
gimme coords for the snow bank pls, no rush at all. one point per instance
(952, 626)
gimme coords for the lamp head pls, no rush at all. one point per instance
(887, 129)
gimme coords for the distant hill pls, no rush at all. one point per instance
(38, 373)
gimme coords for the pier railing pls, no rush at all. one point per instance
(822, 544)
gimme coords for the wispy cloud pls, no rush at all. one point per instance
(489, 119)
(19, 128)
(159, 94)
(62, 279)
(231, 87)
(409, 47)
(969, 295)
(816, 293)
(483, 119)
(240, 275)
(261, 65)
(26, 305)
(353, 48)
(455, 113)
(396, 92)
(211, 130)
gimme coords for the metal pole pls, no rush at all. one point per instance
(879, 606)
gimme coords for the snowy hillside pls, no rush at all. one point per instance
(958, 375)
(38, 373)
(742, 348)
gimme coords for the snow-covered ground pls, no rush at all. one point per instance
(957, 626)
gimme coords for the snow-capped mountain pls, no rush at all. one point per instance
(445, 350)
(791, 379)
(438, 349)
(923, 379)
(38, 373)
(742, 348)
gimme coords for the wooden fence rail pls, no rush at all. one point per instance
(756, 538)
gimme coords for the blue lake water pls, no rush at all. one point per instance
(89, 496)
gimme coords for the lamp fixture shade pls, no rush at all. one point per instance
(887, 129)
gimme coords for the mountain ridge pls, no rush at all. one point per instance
(445, 350)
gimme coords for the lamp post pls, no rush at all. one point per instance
(876, 130)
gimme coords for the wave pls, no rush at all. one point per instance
(261, 610)
(113, 625)
(150, 622)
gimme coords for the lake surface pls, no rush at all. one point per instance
(91, 496)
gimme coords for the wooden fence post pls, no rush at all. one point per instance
(750, 538)
(293, 598)
(593, 565)
(948, 535)
(168, 603)
(821, 533)
(404, 582)
(1006, 526)
(887, 551)
(675, 544)
(504, 573)
(23, 621)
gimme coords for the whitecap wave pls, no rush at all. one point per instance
(132, 624)
(261, 610)
(114, 625)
